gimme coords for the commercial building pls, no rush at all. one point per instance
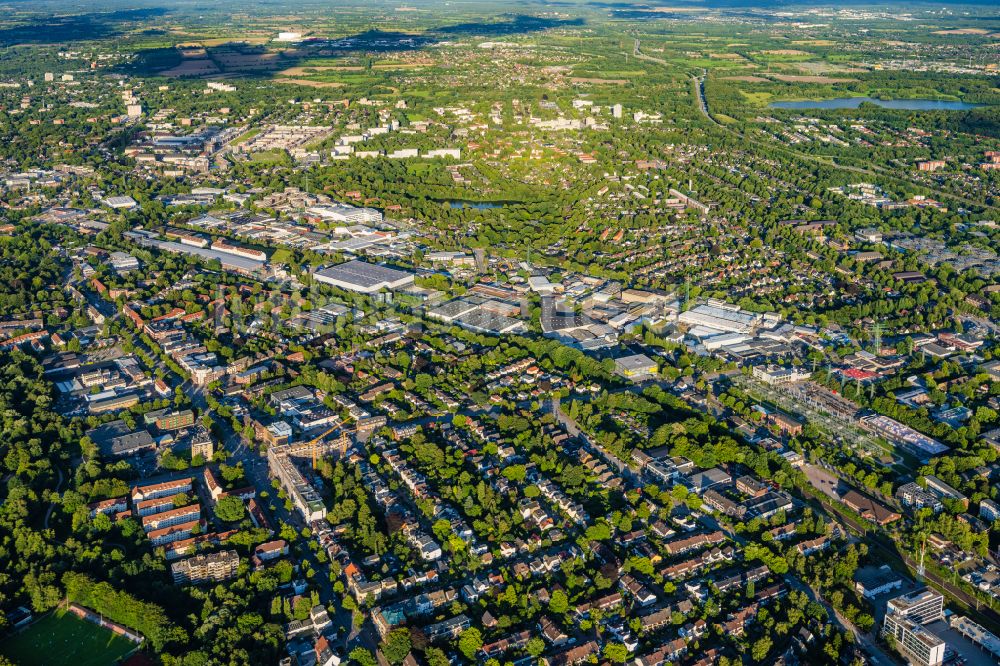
(128, 444)
(228, 261)
(923, 606)
(699, 482)
(868, 508)
(239, 250)
(166, 420)
(205, 568)
(914, 496)
(343, 213)
(121, 203)
(913, 641)
(637, 366)
(776, 376)
(363, 277)
(978, 634)
(905, 618)
(723, 319)
(870, 582)
(122, 262)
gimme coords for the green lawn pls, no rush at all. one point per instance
(269, 157)
(62, 638)
(282, 256)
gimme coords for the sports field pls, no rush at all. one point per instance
(62, 638)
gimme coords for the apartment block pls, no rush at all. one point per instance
(205, 568)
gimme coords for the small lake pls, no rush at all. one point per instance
(855, 102)
(478, 205)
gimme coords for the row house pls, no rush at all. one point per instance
(698, 562)
(668, 653)
(694, 630)
(771, 592)
(573, 655)
(604, 603)
(498, 648)
(742, 578)
(656, 620)
(642, 595)
(533, 512)
(510, 369)
(724, 505)
(813, 545)
(569, 507)
(686, 544)
(552, 632)
(737, 621)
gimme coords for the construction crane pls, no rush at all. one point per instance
(344, 442)
(313, 444)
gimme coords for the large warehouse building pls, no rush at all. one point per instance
(363, 277)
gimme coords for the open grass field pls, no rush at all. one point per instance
(62, 638)
(757, 98)
(269, 157)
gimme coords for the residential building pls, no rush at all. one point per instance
(989, 510)
(304, 497)
(204, 568)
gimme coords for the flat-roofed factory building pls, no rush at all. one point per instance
(363, 277)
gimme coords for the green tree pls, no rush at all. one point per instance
(362, 657)
(616, 652)
(396, 645)
(470, 642)
(558, 602)
(230, 509)
(760, 649)
(436, 657)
